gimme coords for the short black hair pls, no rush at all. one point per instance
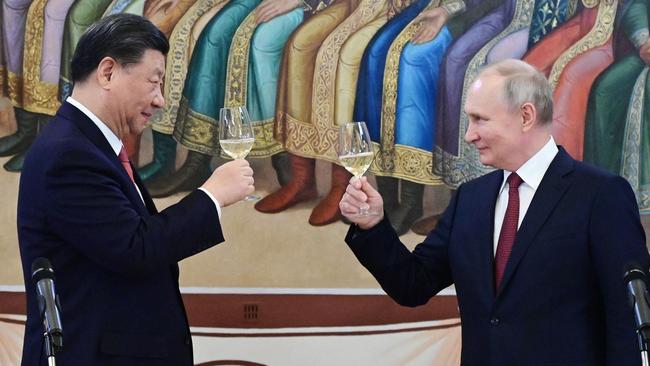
(124, 37)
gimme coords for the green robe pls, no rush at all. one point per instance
(264, 63)
(204, 93)
(81, 15)
(617, 134)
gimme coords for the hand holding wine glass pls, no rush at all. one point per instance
(236, 136)
(230, 182)
(356, 155)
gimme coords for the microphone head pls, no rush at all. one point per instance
(634, 274)
(41, 268)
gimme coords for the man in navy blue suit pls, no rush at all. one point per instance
(536, 249)
(82, 206)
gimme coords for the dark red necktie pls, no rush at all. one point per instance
(508, 229)
(124, 158)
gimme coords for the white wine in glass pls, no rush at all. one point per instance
(237, 148)
(236, 136)
(356, 153)
(357, 164)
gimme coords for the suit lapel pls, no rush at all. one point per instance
(550, 191)
(151, 207)
(485, 228)
(90, 130)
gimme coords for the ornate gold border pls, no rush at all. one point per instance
(15, 89)
(631, 159)
(302, 135)
(38, 96)
(178, 59)
(237, 70)
(590, 3)
(391, 75)
(203, 129)
(458, 169)
(393, 160)
(396, 6)
(321, 135)
(265, 144)
(237, 87)
(200, 127)
(3, 77)
(407, 163)
(601, 31)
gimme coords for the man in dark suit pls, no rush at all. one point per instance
(82, 206)
(536, 249)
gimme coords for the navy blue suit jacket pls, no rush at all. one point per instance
(114, 256)
(562, 300)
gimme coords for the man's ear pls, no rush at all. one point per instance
(106, 71)
(528, 116)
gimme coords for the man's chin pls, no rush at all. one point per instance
(484, 160)
(137, 130)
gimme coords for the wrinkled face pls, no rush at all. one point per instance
(496, 132)
(137, 92)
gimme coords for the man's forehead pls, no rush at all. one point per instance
(488, 84)
(477, 84)
(156, 61)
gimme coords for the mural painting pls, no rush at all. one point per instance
(303, 68)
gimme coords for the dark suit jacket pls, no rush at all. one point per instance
(114, 257)
(562, 300)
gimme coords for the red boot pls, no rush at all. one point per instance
(301, 187)
(327, 210)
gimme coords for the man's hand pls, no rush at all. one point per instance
(431, 22)
(270, 9)
(644, 52)
(358, 194)
(231, 182)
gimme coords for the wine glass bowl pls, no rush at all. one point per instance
(356, 153)
(236, 136)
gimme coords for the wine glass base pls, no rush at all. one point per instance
(367, 214)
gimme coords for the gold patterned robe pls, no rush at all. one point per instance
(305, 117)
(42, 55)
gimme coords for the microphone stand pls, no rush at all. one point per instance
(52, 342)
(48, 347)
(643, 345)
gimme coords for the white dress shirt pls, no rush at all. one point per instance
(116, 143)
(531, 173)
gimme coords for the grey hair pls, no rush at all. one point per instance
(523, 84)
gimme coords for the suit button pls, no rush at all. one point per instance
(187, 341)
(495, 322)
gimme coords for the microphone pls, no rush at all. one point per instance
(48, 302)
(635, 279)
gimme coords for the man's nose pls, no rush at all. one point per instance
(158, 100)
(470, 134)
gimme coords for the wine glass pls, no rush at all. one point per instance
(356, 154)
(236, 135)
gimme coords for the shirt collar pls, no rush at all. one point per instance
(113, 140)
(534, 169)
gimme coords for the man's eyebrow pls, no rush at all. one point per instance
(474, 114)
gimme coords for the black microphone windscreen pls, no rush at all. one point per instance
(41, 268)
